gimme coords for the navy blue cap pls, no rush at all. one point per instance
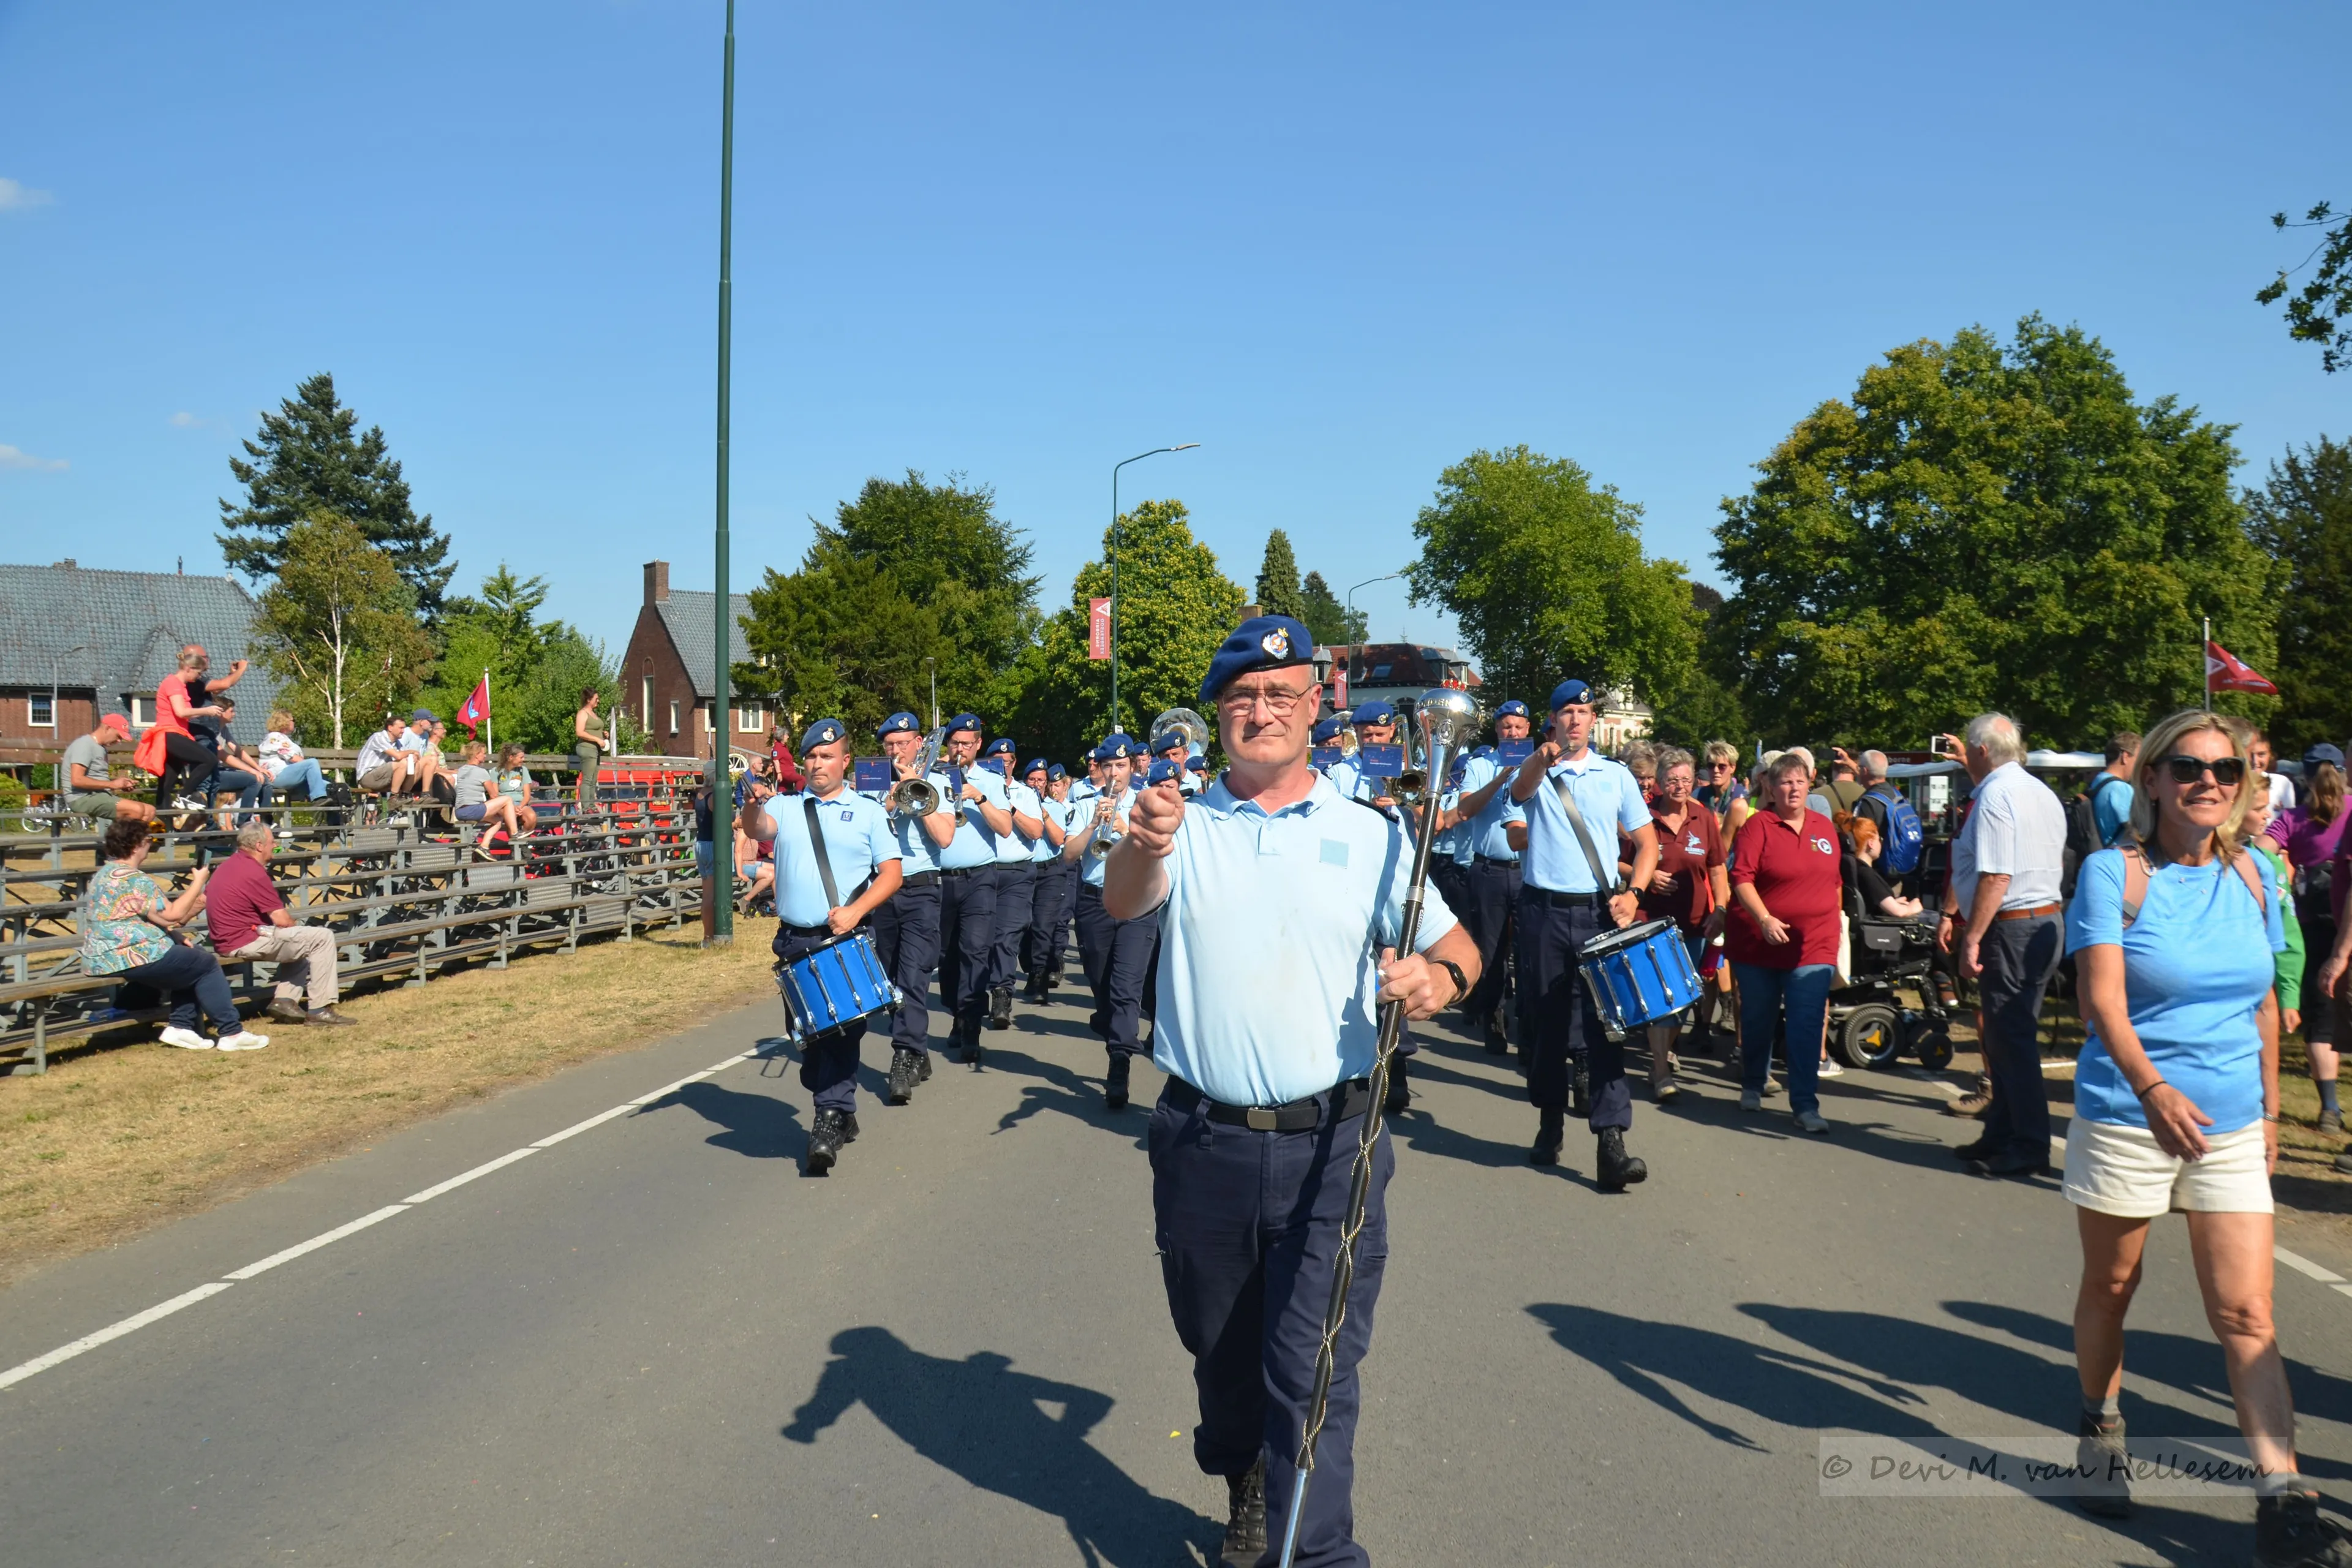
(823, 732)
(1001, 746)
(901, 725)
(1117, 746)
(1328, 730)
(1198, 764)
(1173, 740)
(1163, 770)
(1375, 711)
(1262, 642)
(1514, 709)
(1036, 765)
(1568, 692)
(964, 721)
(2321, 752)
(422, 716)
(1057, 773)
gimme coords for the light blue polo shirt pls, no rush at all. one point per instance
(974, 844)
(1090, 865)
(1082, 790)
(1058, 813)
(1608, 796)
(1016, 848)
(857, 840)
(1270, 944)
(916, 853)
(1489, 831)
(1348, 777)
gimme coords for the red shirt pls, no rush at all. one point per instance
(239, 900)
(1688, 855)
(1796, 874)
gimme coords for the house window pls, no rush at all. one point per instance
(673, 715)
(645, 702)
(142, 712)
(703, 714)
(42, 712)
(750, 721)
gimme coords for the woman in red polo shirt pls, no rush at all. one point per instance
(1688, 887)
(1783, 937)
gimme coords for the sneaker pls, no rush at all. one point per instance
(2105, 1463)
(2331, 1122)
(2289, 1532)
(1812, 1121)
(1830, 1068)
(1750, 1100)
(242, 1040)
(187, 1040)
(1771, 1086)
(188, 803)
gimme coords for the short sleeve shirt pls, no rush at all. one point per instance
(85, 749)
(2111, 806)
(1689, 854)
(2015, 828)
(1017, 849)
(918, 852)
(974, 844)
(1796, 873)
(857, 840)
(239, 898)
(1608, 797)
(116, 933)
(1090, 865)
(1489, 831)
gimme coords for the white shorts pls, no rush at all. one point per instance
(2122, 1170)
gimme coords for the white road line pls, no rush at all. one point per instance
(553, 1139)
(2302, 1265)
(137, 1320)
(454, 1182)
(317, 1241)
(667, 1090)
(1949, 1090)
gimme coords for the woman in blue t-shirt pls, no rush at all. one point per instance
(2176, 1105)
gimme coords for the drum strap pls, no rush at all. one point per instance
(823, 860)
(1601, 880)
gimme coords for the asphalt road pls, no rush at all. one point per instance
(655, 1343)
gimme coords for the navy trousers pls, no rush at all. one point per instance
(907, 939)
(1117, 957)
(828, 1062)
(1494, 898)
(1049, 921)
(190, 979)
(2018, 958)
(1017, 889)
(1247, 1225)
(967, 941)
(1561, 1021)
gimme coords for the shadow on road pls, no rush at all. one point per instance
(757, 1125)
(985, 1422)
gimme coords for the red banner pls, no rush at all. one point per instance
(2225, 672)
(476, 708)
(1339, 686)
(1098, 628)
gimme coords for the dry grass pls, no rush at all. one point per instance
(112, 1141)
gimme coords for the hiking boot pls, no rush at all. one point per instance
(2105, 1463)
(284, 1011)
(2331, 1122)
(1975, 1102)
(2289, 1532)
(1614, 1170)
(999, 1007)
(1244, 1541)
(1579, 1089)
(923, 1072)
(1400, 1095)
(905, 1063)
(1115, 1081)
(1498, 1039)
(826, 1135)
(1551, 1132)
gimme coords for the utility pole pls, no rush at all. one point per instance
(723, 925)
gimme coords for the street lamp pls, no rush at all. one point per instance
(723, 923)
(932, 665)
(1366, 584)
(1115, 467)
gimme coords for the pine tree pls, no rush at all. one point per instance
(311, 457)
(1278, 579)
(1330, 620)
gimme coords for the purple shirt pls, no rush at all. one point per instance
(2308, 843)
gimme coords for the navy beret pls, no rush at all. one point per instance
(1198, 764)
(964, 721)
(1514, 709)
(1036, 765)
(1162, 771)
(1001, 746)
(1328, 730)
(1375, 711)
(823, 732)
(1057, 772)
(901, 725)
(1568, 692)
(1115, 746)
(1262, 642)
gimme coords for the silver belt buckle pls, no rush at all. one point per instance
(1262, 1119)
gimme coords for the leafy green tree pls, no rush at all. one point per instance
(1545, 575)
(2303, 518)
(311, 457)
(1330, 621)
(1176, 605)
(839, 639)
(1987, 528)
(338, 626)
(1278, 579)
(537, 668)
(1704, 707)
(2321, 309)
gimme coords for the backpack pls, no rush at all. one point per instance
(2082, 832)
(1898, 830)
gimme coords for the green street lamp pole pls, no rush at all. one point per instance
(1115, 467)
(723, 923)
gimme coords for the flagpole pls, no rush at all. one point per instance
(2205, 663)
(489, 725)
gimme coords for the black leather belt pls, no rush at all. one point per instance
(1558, 900)
(1498, 865)
(1352, 1098)
(964, 871)
(813, 933)
(919, 879)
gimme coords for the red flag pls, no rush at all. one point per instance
(475, 708)
(1098, 628)
(2225, 672)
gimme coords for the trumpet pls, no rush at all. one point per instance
(1107, 832)
(917, 796)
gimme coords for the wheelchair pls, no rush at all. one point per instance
(1869, 1024)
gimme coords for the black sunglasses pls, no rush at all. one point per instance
(2228, 771)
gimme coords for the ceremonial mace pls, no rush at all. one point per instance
(1447, 717)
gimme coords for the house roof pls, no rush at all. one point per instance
(686, 615)
(119, 633)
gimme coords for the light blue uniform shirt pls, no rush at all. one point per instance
(1270, 944)
(1451, 843)
(2111, 807)
(2197, 961)
(1016, 848)
(1082, 790)
(1608, 797)
(1349, 778)
(974, 844)
(1056, 812)
(916, 853)
(1489, 831)
(857, 840)
(1091, 865)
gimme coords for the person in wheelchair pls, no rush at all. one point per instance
(1892, 941)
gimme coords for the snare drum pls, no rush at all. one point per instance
(1639, 975)
(833, 986)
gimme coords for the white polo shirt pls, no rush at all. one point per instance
(2018, 828)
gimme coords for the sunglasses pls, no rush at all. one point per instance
(2228, 771)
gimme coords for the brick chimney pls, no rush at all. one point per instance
(656, 582)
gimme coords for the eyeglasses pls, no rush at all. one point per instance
(1278, 701)
(2228, 771)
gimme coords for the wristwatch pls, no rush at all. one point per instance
(1461, 981)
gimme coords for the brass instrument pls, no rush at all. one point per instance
(1107, 832)
(1410, 787)
(1183, 721)
(917, 796)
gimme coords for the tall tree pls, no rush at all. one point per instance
(2320, 311)
(2303, 517)
(1544, 572)
(1983, 528)
(536, 666)
(311, 456)
(338, 627)
(1330, 620)
(839, 640)
(1704, 707)
(1278, 579)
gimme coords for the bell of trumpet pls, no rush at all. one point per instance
(1183, 720)
(1448, 718)
(913, 797)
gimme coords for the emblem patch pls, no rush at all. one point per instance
(1276, 643)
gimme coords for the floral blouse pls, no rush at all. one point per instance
(115, 932)
(279, 753)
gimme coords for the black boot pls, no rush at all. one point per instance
(2289, 1533)
(1613, 1169)
(1551, 1132)
(999, 1007)
(1400, 1096)
(826, 1135)
(1498, 1042)
(1115, 1081)
(1245, 1519)
(1579, 1089)
(923, 1068)
(906, 1063)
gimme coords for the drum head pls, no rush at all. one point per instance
(1610, 941)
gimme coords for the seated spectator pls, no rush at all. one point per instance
(183, 764)
(514, 784)
(283, 761)
(1878, 895)
(128, 930)
(475, 785)
(251, 924)
(386, 766)
(237, 771)
(424, 742)
(757, 873)
(92, 789)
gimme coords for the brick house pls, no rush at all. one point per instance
(666, 673)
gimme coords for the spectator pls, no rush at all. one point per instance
(2176, 1107)
(514, 783)
(2007, 861)
(1881, 900)
(2111, 803)
(588, 745)
(1720, 785)
(423, 740)
(127, 930)
(1783, 937)
(385, 766)
(1844, 789)
(705, 858)
(2288, 983)
(251, 924)
(2282, 788)
(236, 770)
(474, 789)
(756, 871)
(2313, 835)
(92, 789)
(182, 766)
(1689, 887)
(1641, 760)
(283, 761)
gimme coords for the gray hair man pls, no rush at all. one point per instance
(251, 924)
(2003, 922)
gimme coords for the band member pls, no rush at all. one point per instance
(1016, 878)
(822, 894)
(1496, 826)
(1174, 750)
(1049, 915)
(1375, 723)
(968, 885)
(907, 928)
(1117, 953)
(1281, 904)
(1196, 774)
(1576, 801)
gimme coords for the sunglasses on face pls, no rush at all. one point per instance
(2228, 771)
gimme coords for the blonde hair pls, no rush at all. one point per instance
(474, 752)
(282, 721)
(2159, 743)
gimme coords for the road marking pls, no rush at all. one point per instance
(2303, 1265)
(316, 1242)
(454, 1182)
(137, 1320)
(553, 1139)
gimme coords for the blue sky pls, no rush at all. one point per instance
(1339, 246)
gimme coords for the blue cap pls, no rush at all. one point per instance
(1262, 642)
(1568, 692)
(2322, 753)
(901, 725)
(823, 732)
(1035, 765)
(1001, 746)
(1162, 771)
(1057, 773)
(1198, 764)
(1328, 730)
(964, 721)
(1173, 739)
(422, 716)
(1117, 745)
(1514, 709)
(1375, 711)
